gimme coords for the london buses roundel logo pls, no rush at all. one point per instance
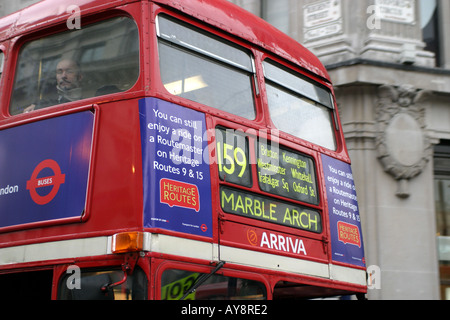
(54, 182)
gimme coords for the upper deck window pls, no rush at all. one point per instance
(299, 107)
(95, 60)
(203, 68)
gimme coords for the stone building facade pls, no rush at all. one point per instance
(390, 64)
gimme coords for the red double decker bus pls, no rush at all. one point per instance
(170, 150)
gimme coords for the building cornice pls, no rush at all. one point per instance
(357, 71)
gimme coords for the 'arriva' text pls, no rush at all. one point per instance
(282, 243)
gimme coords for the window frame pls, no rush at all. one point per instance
(442, 173)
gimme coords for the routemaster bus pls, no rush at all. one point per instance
(170, 150)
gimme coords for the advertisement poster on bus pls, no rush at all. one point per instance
(345, 224)
(177, 184)
(44, 168)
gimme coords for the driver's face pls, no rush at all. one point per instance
(68, 75)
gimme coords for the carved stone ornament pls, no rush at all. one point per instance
(401, 140)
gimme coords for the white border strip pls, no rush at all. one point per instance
(349, 275)
(186, 247)
(273, 262)
(189, 248)
(54, 250)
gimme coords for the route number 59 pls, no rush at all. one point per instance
(232, 156)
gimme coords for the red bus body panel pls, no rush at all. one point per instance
(115, 186)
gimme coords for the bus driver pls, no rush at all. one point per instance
(68, 85)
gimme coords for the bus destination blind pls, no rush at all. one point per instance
(286, 173)
(269, 210)
(279, 172)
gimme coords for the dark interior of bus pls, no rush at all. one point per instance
(33, 285)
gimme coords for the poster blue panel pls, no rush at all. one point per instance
(44, 168)
(177, 182)
(345, 225)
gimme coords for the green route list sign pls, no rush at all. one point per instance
(286, 173)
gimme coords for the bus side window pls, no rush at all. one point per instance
(201, 67)
(299, 107)
(175, 284)
(98, 59)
